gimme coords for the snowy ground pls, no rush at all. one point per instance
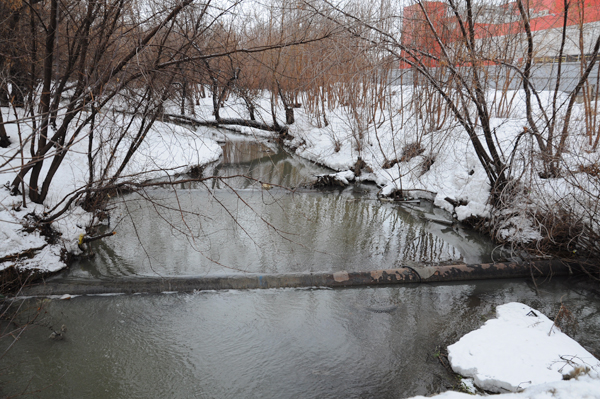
(167, 149)
(445, 165)
(501, 346)
(523, 352)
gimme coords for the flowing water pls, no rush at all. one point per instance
(236, 225)
(262, 161)
(280, 343)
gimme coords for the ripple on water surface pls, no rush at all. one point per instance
(281, 343)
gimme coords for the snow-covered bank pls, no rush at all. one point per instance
(584, 387)
(393, 148)
(166, 150)
(525, 352)
(439, 162)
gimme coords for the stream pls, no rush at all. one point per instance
(277, 343)
(366, 342)
(235, 225)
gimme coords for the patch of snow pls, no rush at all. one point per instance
(170, 149)
(522, 352)
(254, 132)
(584, 387)
(71, 227)
(468, 385)
(47, 260)
(389, 189)
(518, 349)
(519, 227)
(13, 238)
(345, 177)
(473, 208)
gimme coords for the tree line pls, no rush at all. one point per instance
(64, 64)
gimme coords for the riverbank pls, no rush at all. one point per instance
(167, 150)
(397, 153)
(409, 160)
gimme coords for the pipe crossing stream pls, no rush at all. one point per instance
(214, 333)
(404, 275)
(277, 238)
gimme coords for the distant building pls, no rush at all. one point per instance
(499, 32)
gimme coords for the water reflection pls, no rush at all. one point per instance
(235, 225)
(260, 161)
(202, 232)
(266, 343)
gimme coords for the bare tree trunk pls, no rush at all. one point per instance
(551, 128)
(34, 195)
(273, 113)
(573, 96)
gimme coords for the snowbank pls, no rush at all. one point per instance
(587, 387)
(520, 348)
(172, 149)
(167, 149)
(443, 165)
(523, 351)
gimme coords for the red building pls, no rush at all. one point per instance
(418, 35)
(499, 31)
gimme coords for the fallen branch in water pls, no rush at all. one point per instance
(85, 240)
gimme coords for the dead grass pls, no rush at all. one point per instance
(591, 169)
(426, 164)
(410, 151)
